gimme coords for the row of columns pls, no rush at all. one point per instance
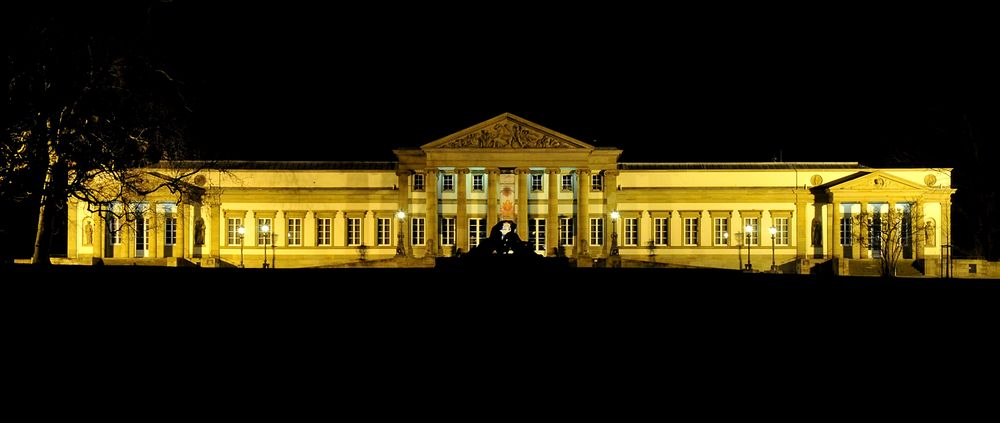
(835, 230)
(552, 222)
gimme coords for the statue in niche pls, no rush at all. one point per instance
(817, 233)
(88, 233)
(199, 232)
(930, 234)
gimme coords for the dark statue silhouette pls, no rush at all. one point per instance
(503, 239)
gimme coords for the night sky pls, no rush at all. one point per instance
(308, 83)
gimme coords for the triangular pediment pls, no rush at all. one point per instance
(877, 180)
(507, 132)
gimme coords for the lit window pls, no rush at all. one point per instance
(781, 234)
(233, 230)
(448, 182)
(417, 231)
(846, 230)
(114, 229)
(690, 231)
(536, 234)
(566, 231)
(170, 231)
(448, 231)
(294, 232)
(660, 230)
(720, 227)
(354, 231)
(477, 231)
(536, 182)
(384, 231)
(418, 182)
(567, 182)
(477, 182)
(323, 231)
(754, 223)
(631, 231)
(597, 231)
(597, 182)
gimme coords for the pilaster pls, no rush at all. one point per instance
(461, 215)
(491, 198)
(431, 221)
(552, 219)
(583, 213)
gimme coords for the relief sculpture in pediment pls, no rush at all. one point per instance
(506, 135)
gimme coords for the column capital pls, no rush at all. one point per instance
(611, 172)
(493, 170)
(582, 170)
(431, 170)
(404, 172)
(551, 170)
(522, 171)
(462, 171)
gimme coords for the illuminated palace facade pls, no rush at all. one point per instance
(567, 197)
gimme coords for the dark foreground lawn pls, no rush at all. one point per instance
(480, 340)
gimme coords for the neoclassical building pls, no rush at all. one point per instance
(566, 196)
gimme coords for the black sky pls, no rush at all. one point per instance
(311, 81)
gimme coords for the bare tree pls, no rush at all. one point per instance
(90, 112)
(886, 234)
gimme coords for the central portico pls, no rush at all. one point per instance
(551, 184)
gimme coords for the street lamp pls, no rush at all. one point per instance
(748, 229)
(773, 232)
(725, 236)
(614, 232)
(400, 248)
(242, 231)
(265, 229)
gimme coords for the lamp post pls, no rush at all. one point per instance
(725, 235)
(242, 231)
(773, 232)
(400, 248)
(748, 229)
(614, 232)
(265, 229)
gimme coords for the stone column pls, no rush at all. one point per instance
(403, 182)
(801, 226)
(431, 221)
(181, 243)
(461, 215)
(309, 229)
(71, 228)
(522, 202)
(251, 228)
(368, 229)
(491, 198)
(279, 229)
(862, 230)
(552, 219)
(157, 222)
(583, 213)
(611, 202)
(212, 232)
(917, 227)
(339, 229)
(836, 250)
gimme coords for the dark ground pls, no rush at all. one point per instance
(447, 342)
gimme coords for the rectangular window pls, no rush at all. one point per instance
(631, 231)
(536, 234)
(418, 181)
(477, 231)
(754, 224)
(323, 231)
(536, 182)
(660, 228)
(567, 182)
(875, 233)
(170, 231)
(233, 230)
(448, 231)
(264, 238)
(781, 228)
(417, 231)
(690, 231)
(597, 231)
(477, 183)
(114, 230)
(294, 232)
(597, 182)
(354, 231)
(566, 231)
(384, 231)
(846, 230)
(447, 182)
(720, 226)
